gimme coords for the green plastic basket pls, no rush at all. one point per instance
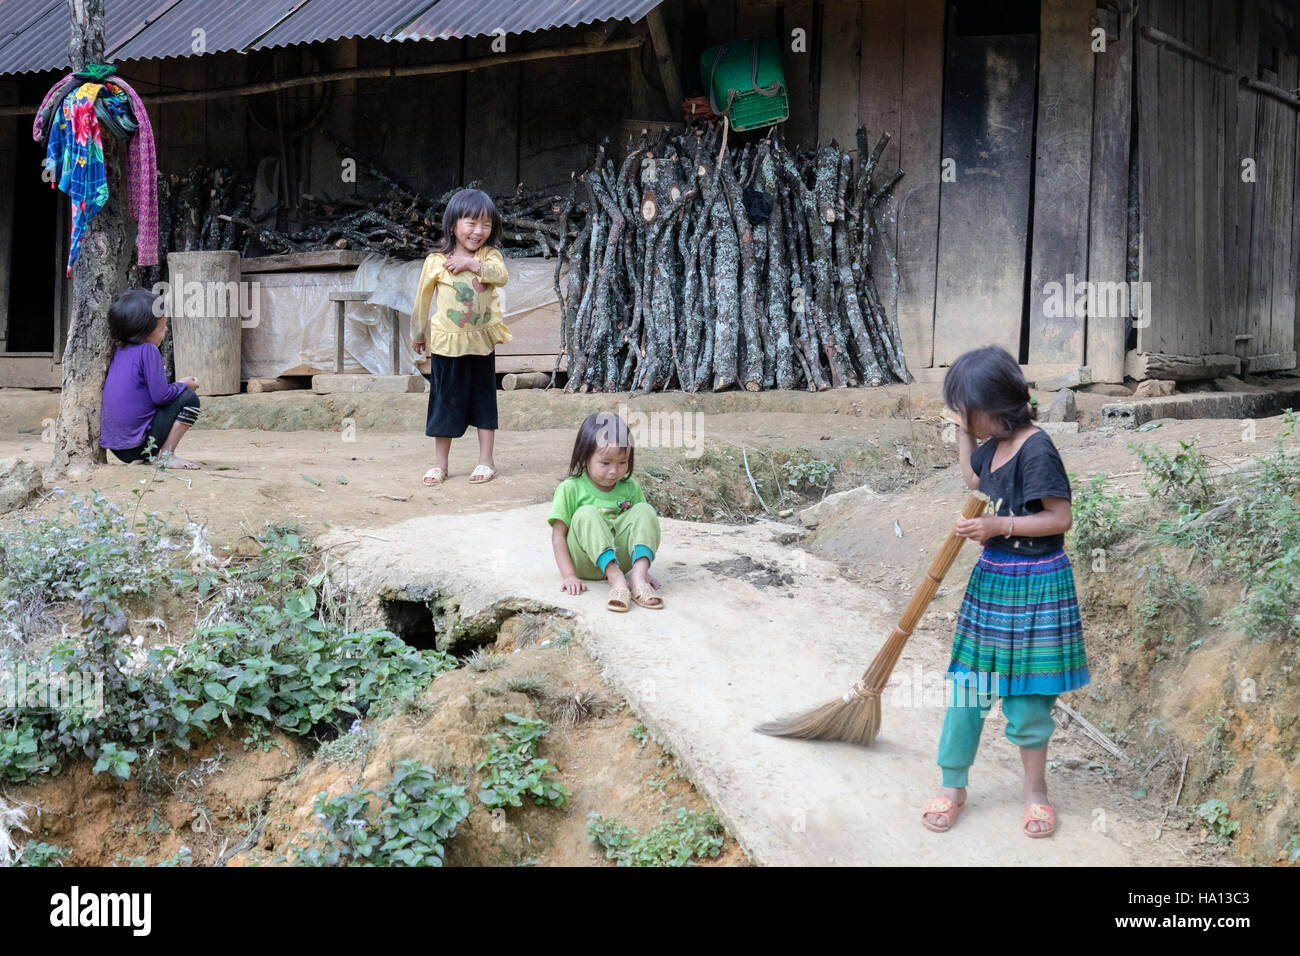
(745, 81)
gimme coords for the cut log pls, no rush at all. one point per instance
(284, 383)
(1180, 368)
(521, 380)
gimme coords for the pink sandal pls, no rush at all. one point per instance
(942, 807)
(1043, 814)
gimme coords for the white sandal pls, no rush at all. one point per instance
(436, 474)
(484, 474)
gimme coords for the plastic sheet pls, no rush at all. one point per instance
(295, 334)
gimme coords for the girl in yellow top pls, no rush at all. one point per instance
(457, 318)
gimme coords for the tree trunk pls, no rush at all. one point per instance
(98, 275)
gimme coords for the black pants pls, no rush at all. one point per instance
(183, 408)
(462, 392)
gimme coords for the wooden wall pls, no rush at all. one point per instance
(1219, 250)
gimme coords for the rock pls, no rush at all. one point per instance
(1062, 408)
(1154, 388)
(1071, 379)
(1060, 428)
(20, 482)
(812, 517)
(1109, 388)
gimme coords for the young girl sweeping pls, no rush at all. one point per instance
(457, 319)
(143, 415)
(1018, 629)
(601, 524)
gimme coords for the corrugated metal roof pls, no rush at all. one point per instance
(34, 33)
(470, 18)
(338, 19)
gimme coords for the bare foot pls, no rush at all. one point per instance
(638, 576)
(174, 462)
(957, 795)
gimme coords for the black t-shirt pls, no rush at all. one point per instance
(1033, 473)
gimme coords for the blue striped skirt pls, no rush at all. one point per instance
(1020, 621)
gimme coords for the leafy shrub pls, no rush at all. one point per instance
(1217, 815)
(1182, 478)
(419, 816)
(691, 835)
(514, 770)
(1096, 516)
(36, 853)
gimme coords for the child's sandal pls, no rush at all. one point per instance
(1043, 814)
(645, 595)
(941, 807)
(618, 600)
(434, 476)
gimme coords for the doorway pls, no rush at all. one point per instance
(985, 197)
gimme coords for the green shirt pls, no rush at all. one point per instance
(573, 493)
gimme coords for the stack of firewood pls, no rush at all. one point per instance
(699, 266)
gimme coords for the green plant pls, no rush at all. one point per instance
(514, 770)
(1182, 478)
(182, 857)
(419, 816)
(482, 660)
(1096, 516)
(689, 836)
(803, 474)
(36, 853)
(639, 734)
(1218, 817)
(1292, 848)
(1169, 605)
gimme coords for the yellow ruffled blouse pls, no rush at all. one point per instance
(460, 313)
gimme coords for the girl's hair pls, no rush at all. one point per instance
(468, 204)
(989, 380)
(600, 430)
(131, 317)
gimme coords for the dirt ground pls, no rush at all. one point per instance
(327, 463)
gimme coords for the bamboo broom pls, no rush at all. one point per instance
(856, 716)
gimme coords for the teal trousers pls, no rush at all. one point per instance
(1029, 726)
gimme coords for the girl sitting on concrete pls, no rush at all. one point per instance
(601, 524)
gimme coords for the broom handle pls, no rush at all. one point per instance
(878, 673)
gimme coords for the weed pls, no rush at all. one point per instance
(1218, 817)
(1182, 478)
(639, 734)
(1169, 605)
(346, 749)
(689, 836)
(36, 853)
(1292, 848)
(420, 814)
(514, 770)
(1096, 516)
(481, 661)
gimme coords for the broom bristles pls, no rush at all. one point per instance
(854, 718)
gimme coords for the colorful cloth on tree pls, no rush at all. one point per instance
(142, 170)
(75, 156)
(460, 313)
(113, 108)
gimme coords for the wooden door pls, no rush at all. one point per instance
(988, 150)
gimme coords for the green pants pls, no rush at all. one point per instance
(1029, 725)
(593, 543)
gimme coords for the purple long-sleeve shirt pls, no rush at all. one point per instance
(136, 387)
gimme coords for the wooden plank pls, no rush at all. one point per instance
(988, 115)
(1238, 196)
(663, 50)
(921, 129)
(492, 135)
(1061, 181)
(801, 128)
(281, 384)
(837, 101)
(1108, 194)
(30, 371)
(299, 261)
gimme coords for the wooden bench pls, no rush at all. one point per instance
(340, 300)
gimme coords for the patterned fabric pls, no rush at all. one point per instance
(114, 111)
(460, 313)
(142, 169)
(1020, 620)
(142, 181)
(75, 154)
